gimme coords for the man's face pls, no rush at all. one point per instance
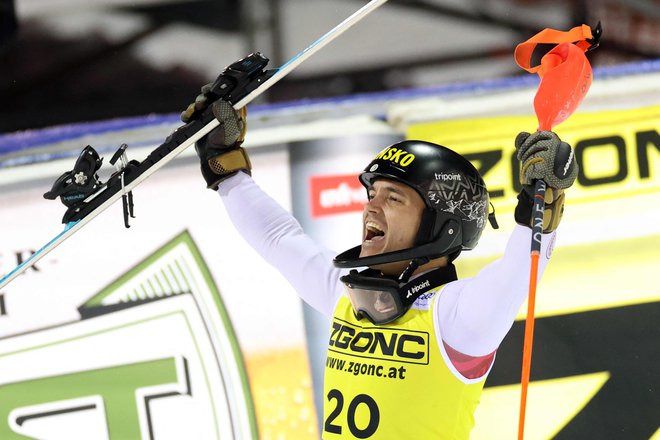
(391, 220)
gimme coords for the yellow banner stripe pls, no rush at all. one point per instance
(618, 150)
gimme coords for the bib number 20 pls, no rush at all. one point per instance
(357, 431)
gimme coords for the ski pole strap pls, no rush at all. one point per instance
(582, 36)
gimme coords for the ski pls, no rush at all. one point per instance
(86, 196)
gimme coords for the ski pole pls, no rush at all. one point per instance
(537, 235)
(565, 79)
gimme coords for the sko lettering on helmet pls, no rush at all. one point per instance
(396, 155)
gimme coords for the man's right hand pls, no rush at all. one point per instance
(220, 151)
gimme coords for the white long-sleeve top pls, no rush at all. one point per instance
(473, 314)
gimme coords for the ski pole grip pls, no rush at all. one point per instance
(537, 214)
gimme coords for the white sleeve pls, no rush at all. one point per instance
(474, 314)
(278, 237)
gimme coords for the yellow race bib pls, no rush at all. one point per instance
(394, 381)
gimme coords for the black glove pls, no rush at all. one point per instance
(544, 156)
(220, 151)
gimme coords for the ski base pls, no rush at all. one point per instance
(69, 229)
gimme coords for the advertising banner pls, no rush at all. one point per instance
(174, 328)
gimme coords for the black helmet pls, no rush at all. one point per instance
(455, 195)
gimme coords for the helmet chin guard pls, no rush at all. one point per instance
(454, 193)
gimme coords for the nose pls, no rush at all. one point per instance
(373, 205)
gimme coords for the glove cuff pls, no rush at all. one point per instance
(222, 166)
(552, 211)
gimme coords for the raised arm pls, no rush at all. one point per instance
(475, 314)
(276, 235)
(264, 224)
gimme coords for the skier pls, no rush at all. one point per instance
(411, 345)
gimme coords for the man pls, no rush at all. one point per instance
(410, 345)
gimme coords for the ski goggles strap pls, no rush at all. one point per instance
(383, 300)
(582, 36)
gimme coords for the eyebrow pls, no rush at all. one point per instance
(390, 188)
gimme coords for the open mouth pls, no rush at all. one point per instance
(373, 231)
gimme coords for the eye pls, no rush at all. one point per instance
(394, 198)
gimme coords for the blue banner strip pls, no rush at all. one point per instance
(25, 140)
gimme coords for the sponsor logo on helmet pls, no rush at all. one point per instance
(466, 198)
(374, 167)
(396, 155)
(447, 176)
(467, 188)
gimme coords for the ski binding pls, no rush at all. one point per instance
(80, 186)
